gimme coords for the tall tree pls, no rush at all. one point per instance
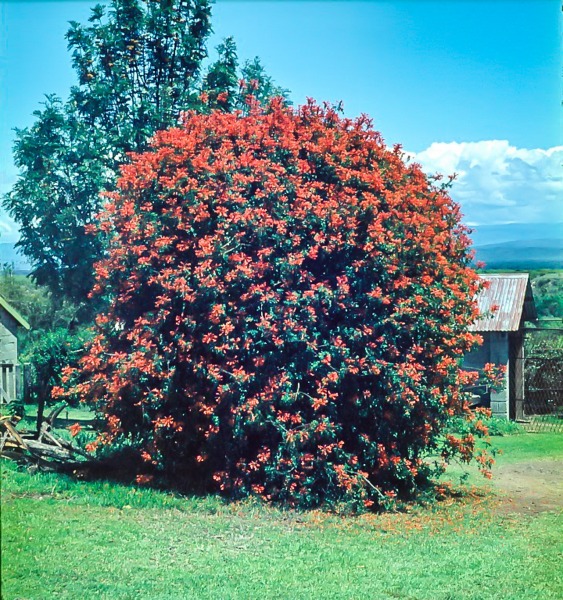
(63, 168)
(139, 66)
(256, 82)
(221, 80)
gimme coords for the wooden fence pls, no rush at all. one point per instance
(12, 382)
(543, 393)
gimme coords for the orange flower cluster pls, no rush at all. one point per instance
(287, 304)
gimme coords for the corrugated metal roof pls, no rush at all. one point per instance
(512, 294)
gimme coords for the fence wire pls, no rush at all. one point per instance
(543, 394)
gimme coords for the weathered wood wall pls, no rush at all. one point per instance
(9, 374)
(8, 339)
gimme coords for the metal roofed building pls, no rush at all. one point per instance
(505, 304)
(10, 321)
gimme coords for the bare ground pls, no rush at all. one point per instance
(530, 487)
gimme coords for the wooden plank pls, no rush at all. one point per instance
(12, 430)
(12, 382)
(37, 448)
(50, 437)
(19, 382)
(4, 398)
(7, 382)
(3, 441)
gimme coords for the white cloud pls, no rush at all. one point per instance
(499, 183)
(9, 231)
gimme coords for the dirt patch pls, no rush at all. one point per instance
(530, 487)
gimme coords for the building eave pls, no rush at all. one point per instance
(14, 313)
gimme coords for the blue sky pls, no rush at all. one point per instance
(466, 86)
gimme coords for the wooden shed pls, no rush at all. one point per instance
(10, 320)
(503, 338)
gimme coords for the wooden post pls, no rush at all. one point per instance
(19, 382)
(26, 368)
(8, 383)
(4, 398)
(519, 366)
(13, 377)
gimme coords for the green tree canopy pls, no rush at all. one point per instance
(139, 66)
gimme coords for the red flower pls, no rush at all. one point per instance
(75, 429)
(268, 271)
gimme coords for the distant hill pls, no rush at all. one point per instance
(528, 254)
(506, 246)
(509, 232)
(8, 254)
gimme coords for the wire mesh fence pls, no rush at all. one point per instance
(543, 394)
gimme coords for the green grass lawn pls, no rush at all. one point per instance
(67, 539)
(70, 413)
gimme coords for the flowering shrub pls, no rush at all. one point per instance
(287, 306)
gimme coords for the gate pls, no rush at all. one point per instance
(9, 379)
(542, 404)
(14, 382)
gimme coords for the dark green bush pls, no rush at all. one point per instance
(48, 355)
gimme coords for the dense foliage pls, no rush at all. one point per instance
(548, 293)
(138, 66)
(287, 306)
(48, 355)
(36, 304)
(53, 341)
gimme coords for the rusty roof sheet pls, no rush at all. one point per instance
(512, 294)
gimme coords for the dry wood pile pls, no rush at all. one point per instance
(41, 446)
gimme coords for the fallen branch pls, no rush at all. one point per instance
(25, 446)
